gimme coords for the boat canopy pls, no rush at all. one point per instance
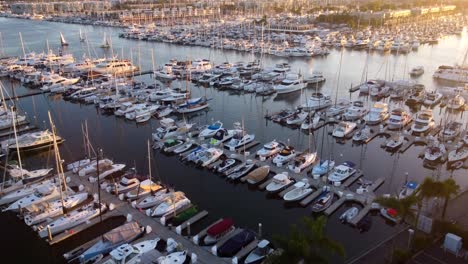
(392, 212)
(220, 227)
(123, 233)
(412, 185)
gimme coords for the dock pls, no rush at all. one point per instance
(245, 250)
(310, 198)
(190, 221)
(330, 210)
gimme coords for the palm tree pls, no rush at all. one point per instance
(449, 188)
(404, 206)
(308, 245)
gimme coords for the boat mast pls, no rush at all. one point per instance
(16, 139)
(149, 164)
(58, 162)
(22, 44)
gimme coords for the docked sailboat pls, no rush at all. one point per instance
(31, 141)
(302, 161)
(435, 151)
(284, 156)
(323, 201)
(343, 129)
(170, 205)
(55, 208)
(25, 191)
(193, 105)
(42, 194)
(395, 141)
(323, 167)
(72, 219)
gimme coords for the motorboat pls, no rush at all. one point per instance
(258, 175)
(211, 130)
(146, 188)
(362, 135)
(349, 214)
(225, 165)
(377, 114)
(209, 156)
(270, 149)
(417, 95)
(458, 154)
(218, 231)
(457, 102)
(192, 105)
(291, 83)
(72, 219)
(194, 154)
(128, 182)
(240, 139)
(342, 172)
(262, 251)
(423, 122)
(323, 167)
(114, 238)
(451, 130)
(407, 189)
(42, 194)
(300, 190)
(171, 204)
(435, 151)
(324, 201)
(131, 254)
(279, 182)
(399, 118)
(241, 170)
(338, 109)
(380, 92)
(317, 101)
(356, 111)
(236, 243)
(311, 123)
(156, 199)
(316, 78)
(395, 141)
(222, 135)
(343, 129)
(367, 86)
(284, 156)
(297, 118)
(417, 71)
(175, 257)
(302, 161)
(171, 131)
(171, 144)
(432, 98)
(185, 147)
(160, 94)
(54, 208)
(390, 214)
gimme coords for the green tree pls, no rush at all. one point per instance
(405, 207)
(449, 188)
(308, 244)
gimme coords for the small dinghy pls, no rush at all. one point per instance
(349, 214)
(225, 165)
(323, 201)
(262, 250)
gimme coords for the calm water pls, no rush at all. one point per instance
(126, 142)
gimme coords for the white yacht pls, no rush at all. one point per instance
(279, 182)
(31, 141)
(377, 114)
(209, 156)
(435, 151)
(342, 172)
(170, 205)
(317, 101)
(240, 139)
(423, 122)
(338, 108)
(343, 129)
(399, 118)
(211, 130)
(284, 156)
(291, 83)
(432, 98)
(302, 161)
(456, 103)
(270, 149)
(301, 190)
(449, 73)
(356, 111)
(417, 71)
(115, 67)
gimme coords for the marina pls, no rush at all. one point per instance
(203, 139)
